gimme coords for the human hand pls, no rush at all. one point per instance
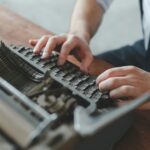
(126, 82)
(69, 42)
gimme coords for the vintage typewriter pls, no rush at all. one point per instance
(47, 107)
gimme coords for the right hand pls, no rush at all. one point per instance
(69, 42)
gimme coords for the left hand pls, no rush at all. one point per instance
(124, 82)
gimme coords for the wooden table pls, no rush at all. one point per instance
(15, 29)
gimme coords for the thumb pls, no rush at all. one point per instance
(33, 42)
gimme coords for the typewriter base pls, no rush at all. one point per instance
(108, 137)
(105, 140)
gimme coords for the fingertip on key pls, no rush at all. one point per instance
(60, 62)
(44, 56)
(97, 81)
(35, 51)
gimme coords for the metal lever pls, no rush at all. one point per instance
(15, 118)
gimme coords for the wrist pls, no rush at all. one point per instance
(83, 35)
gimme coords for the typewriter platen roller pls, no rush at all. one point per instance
(48, 107)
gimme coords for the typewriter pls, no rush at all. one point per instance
(47, 107)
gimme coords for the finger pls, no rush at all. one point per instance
(86, 62)
(113, 83)
(120, 102)
(41, 44)
(69, 45)
(118, 71)
(52, 43)
(125, 91)
(33, 42)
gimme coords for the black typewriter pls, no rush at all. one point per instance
(47, 107)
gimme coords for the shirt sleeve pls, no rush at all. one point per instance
(105, 3)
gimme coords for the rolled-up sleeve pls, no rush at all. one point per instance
(105, 3)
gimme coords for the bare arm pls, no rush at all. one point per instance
(86, 18)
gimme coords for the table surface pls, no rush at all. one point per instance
(18, 30)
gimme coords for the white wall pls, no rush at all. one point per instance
(121, 24)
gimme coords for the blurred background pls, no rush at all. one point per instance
(121, 24)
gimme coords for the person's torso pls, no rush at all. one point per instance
(146, 21)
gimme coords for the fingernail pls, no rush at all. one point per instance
(97, 80)
(44, 55)
(34, 51)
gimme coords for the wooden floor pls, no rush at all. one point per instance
(15, 29)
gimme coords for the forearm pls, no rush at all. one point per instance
(86, 18)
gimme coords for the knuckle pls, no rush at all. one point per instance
(45, 36)
(109, 72)
(125, 89)
(63, 34)
(64, 51)
(132, 68)
(53, 39)
(66, 46)
(113, 82)
(75, 38)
